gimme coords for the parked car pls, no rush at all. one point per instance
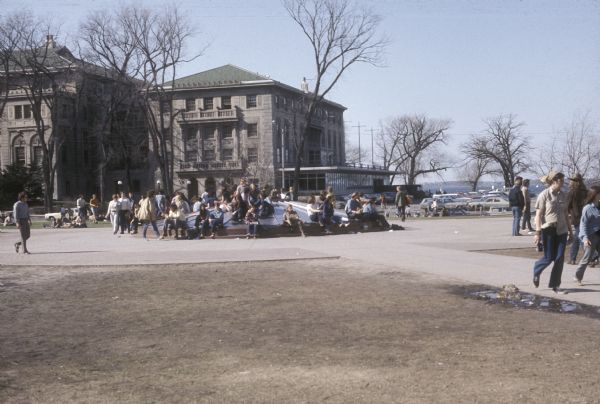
(490, 202)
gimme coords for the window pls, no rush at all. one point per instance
(27, 111)
(314, 156)
(20, 154)
(252, 155)
(276, 101)
(208, 103)
(227, 132)
(166, 106)
(208, 155)
(252, 130)
(190, 155)
(227, 154)
(208, 133)
(37, 156)
(190, 104)
(251, 101)
(226, 102)
(18, 112)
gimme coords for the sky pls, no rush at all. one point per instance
(464, 60)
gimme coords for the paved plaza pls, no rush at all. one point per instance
(454, 249)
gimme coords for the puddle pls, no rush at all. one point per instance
(510, 295)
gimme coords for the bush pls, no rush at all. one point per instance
(16, 178)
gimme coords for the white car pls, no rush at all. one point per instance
(490, 202)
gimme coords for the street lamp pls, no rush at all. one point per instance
(282, 159)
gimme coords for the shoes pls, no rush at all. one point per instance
(530, 233)
(161, 238)
(26, 252)
(559, 291)
(328, 232)
(571, 262)
(17, 247)
(536, 281)
(579, 281)
(212, 235)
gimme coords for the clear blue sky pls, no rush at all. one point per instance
(463, 60)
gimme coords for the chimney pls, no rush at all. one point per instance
(304, 85)
(50, 41)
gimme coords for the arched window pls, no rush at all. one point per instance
(36, 152)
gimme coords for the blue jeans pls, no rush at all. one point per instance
(516, 211)
(588, 255)
(154, 227)
(526, 220)
(554, 251)
(575, 245)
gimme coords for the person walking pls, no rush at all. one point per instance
(576, 201)
(147, 214)
(95, 207)
(517, 204)
(23, 221)
(589, 231)
(526, 223)
(81, 210)
(114, 207)
(125, 212)
(400, 203)
(553, 228)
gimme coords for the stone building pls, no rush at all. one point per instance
(232, 123)
(90, 152)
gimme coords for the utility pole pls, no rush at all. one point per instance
(372, 148)
(359, 153)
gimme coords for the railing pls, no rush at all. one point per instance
(211, 165)
(18, 123)
(208, 115)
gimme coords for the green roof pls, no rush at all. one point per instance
(219, 76)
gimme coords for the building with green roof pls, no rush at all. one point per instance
(233, 123)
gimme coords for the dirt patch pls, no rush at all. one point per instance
(289, 332)
(528, 252)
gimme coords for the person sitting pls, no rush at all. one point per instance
(174, 220)
(265, 208)
(215, 219)
(252, 221)
(370, 214)
(353, 207)
(313, 209)
(291, 219)
(201, 221)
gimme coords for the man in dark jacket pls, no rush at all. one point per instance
(517, 203)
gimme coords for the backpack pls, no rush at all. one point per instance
(513, 198)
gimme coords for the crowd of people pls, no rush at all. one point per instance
(247, 204)
(561, 218)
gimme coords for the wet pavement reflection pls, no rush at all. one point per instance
(510, 295)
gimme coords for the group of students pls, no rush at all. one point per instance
(562, 217)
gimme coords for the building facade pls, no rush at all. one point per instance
(92, 148)
(232, 123)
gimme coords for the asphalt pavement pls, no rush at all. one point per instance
(449, 249)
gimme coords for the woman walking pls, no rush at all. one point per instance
(589, 231)
(23, 221)
(552, 225)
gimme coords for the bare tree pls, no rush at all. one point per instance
(145, 48)
(409, 145)
(354, 155)
(581, 147)
(503, 145)
(10, 36)
(44, 73)
(340, 34)
(473, 170)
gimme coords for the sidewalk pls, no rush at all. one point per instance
(446, 249)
